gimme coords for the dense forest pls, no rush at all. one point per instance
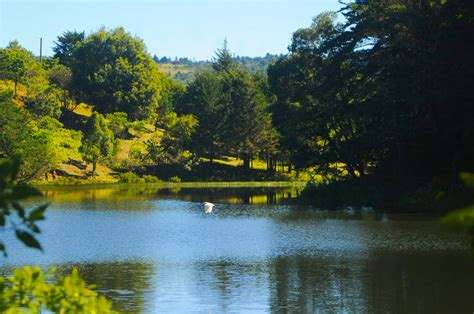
(376, 103)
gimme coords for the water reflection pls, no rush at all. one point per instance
(127, 284)
(155, 250)
(119, 194)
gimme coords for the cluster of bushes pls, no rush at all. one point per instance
(131, 177)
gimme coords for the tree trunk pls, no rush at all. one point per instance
(14, 92)
(94, 167)
(246, 162)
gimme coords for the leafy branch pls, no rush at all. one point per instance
(21, 220)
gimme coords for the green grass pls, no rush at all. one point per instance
(91, 183)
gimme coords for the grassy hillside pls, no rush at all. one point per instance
(183, 69)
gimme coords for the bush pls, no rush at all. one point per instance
(27, 291)
(130, 177)
(175, 179)
(151, 179)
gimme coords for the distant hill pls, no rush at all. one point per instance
(183, 69)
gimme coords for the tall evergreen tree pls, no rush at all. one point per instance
(65, 45)
(248, 116)
(204, 100)
(224, 60)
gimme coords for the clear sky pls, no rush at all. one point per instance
(183, 28)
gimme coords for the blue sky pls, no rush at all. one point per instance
(183, 28)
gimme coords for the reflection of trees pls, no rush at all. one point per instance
(309, 284)
(126, 194)
(426, 282)
(231, 286)
(435, 282)
(125, 283)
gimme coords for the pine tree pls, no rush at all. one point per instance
(224, 60)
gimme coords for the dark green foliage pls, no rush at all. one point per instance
(98, 141)
(176, 140)
(112, 71)
(12, 214)
(60, 76)
(224, 60)
(45, 104)
(204, 99)
(387, 92)
(231, 106)
(65, 45)
(118, 123)
(20, 136)
(249, 122)
(170, 96)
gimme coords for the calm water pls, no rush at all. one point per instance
(153, 250)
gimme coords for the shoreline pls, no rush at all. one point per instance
(197, 184)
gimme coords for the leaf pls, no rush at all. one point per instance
(38, 213)
(28, 239)
(19, 209)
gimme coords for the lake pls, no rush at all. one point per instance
(153, 249)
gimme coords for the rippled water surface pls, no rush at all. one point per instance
(155, 250)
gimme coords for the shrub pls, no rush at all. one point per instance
(151, 179)
(175, 179)
(130, 177)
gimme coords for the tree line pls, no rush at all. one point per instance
(383, 92)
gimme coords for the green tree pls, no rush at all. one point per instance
(170, 148)
(65, 45)
(45, 103)
(118, 123)
(224, 60)
(60, 76)
(204, 100)
(20, 136)
(248, 116)
(170, 96)
(112, 71)
(14, 61)
(98, 141)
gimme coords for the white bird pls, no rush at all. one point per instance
(208, 207)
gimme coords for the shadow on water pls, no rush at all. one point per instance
(386, 283)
